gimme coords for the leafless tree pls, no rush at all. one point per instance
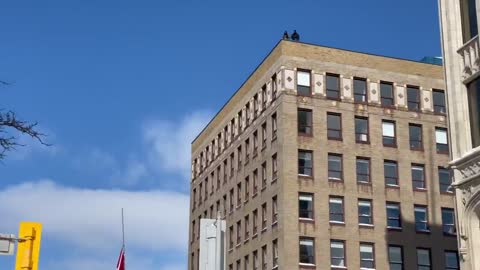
(11, 125)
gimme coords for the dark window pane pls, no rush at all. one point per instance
(334, 126)
(391, 173)
(336, 209)
(361, 129)
(365, 212)
(305, 163)
(448, 221)
(359, 90)
(386, 92)
(334, 167)
(305, 121)
(416, 141)
(393, 215)
(413, 98)
(363, 170)
(445, 180)
(333, 87)
(418, 177)
(451, 260)
(439, 101)
(421, 218)
(307, 252)
(306, 206)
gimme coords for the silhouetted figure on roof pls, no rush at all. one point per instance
(295, 36)
(285, 35)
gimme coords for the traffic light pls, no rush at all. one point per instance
(28, 251)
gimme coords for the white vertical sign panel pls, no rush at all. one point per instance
(212, 244)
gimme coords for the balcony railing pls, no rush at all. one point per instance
(470, 53)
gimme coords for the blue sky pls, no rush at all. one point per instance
(122, 87)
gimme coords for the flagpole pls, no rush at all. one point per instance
(123, 231)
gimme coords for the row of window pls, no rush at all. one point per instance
(362, 135)
(363, 171)
(213, 182)
(338, 258)
(252, 110)
(256, 263)
(365, 213)
(360, 91)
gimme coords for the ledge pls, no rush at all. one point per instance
(468, 166)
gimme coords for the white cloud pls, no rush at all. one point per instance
(82, 218)
(170, 141)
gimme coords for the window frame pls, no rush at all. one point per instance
(311, 168)
(425, 222)
(370, 216)
(438, 145)
(398, 219)
(397, 184)
(390, 262)
(364, 95)
(429, 258)
(308, 126)
(334, 179)
(386, 137)
(417, 101)
(274, 126)
(452, 225)
(338, 91)
(300, 92)
(357, 134)
(344, 257)
(372, 245)
(414, 125)
(369, 175)
(335, 214)
(387, 98)
(449, 189)
(339, 131)
(445, 252)
(423, 181)
(311, 258)
(435, 106)
(310, 212)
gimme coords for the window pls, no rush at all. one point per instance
(230, 237)
(445, 180)
(359, 90)
(474, 110)
(336, 210)
(469, 19)
(307, 251)
(255, 143)
(363, 170)
(264, 216)
(395, 257)
(239, 195)
(367, 256)
(335, 167)
(232, 167)
(264, 135)
(193, 229)
(255, 105)
(224, 205)
(246, 263)
(264, 97)
(254, 222)
(388, 132)
(439, 101)
(421, 218)
(231, 200)
(232, 130)
(413, 98)
(334, 126)
(264, 257)
(247, 188)
(451, 260)
(194, 199)
(333, 86)
(247, 230)
(365, 212)
(274, 126)
(274, 168)
(239, 157)
(200, 191)
(225, 140)
(239, 263)
(337, 254)
(274, 87)
(206, 188)
(441, 139)
(394, 220)
(390, 170)
(423, 259)
(361, 129)
(418, 177)
(255, 182)
(218, 177)
(240, 122)
(448, 221)
(239, 232)
(264, 175)
(305, 206)
(386, 94)
(274, 210)
(275, 253)
(255, 260)
(247, 114)
(303, 83)
(247, 150)
(225, 177)
(305, 163)
(304, 121)
(416, 138)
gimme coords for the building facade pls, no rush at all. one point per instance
(461, 53)
(329, 159)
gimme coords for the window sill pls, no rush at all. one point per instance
(246, 200)
(337, 267)
(393, 186)
(230, 250)
(305, 176)
(263, 230)
(309, 265)
(274, 138)
(239, 244)
(449, 234)
(306, 220)
(263, 188)
(423, 231)
(274, 224)
(274, 180)
(254, 235)
(420, 190)
(397, 229)
(367, 226)
(238, 206)
(336, 180)
(255, 194)
(447, 193)
(246, 240)
(275, 267)
(337, 223)
(365, 183)
(264, 146)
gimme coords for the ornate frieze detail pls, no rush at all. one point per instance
(471, 58)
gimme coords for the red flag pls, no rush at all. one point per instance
(121, 260)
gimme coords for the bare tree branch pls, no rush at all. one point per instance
(9, 123)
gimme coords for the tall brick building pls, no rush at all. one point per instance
(329, 159)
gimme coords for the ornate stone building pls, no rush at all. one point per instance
(461, 52)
